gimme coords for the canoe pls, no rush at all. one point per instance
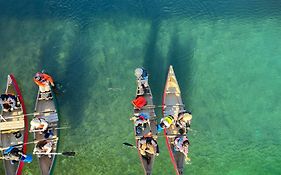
(171, 105)
(47, 110)
(12, 122)
(147, 162)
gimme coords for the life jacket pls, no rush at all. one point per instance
(139, 102)
(168, 120)
(38, 125)
(179, 143)
(42, 79)
(148, 148)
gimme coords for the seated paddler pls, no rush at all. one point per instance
(165, 122)
(140, 121)
(15, 155)
(184, 120)
(181, 144)
(8, 102)
(44, 81)
(148, 145)
(142, 79)
(38, 125)
(43, 147)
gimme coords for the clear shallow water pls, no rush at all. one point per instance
(225, 54)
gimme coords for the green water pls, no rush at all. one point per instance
(226, 56)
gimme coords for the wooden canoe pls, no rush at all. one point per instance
(171, 105)
(47, 110)
(12, 122)
(147, 109)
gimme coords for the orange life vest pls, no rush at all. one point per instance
(44, 79)
(139, 102)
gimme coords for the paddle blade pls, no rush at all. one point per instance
(128, 144)
(71, 154)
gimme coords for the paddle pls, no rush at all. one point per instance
(30, 114)
(2, 118)
(27, 143)
(66, 127)
(58, 88)
(67, 153)
(129, 145)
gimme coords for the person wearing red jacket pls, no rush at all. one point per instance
(44, 81)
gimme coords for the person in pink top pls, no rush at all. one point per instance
(181, 145)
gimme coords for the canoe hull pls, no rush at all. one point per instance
(47, 110)
(18, 121)
(171, 105)
(148, 160)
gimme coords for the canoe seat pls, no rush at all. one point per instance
(148, 107)
(9, 125)
(175, 105)
(171, 136)
(51, 118)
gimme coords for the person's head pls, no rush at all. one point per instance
(4, 96)
(181, 131)
(162, 125)
(6, 106)
(141, 117)
(148, 140)
(41, 144)
(35, 122)
(38, 76)
(185, 143)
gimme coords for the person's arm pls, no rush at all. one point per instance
(49, 78)
(140, 142)
(185, 151)
(45, 125)
(48, 147)
(155, 144)
(32, 128)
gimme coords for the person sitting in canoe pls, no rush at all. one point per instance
(43, 147)
(15, 155)
(147, 145)
(39, 125)
(140, 121)
(181, 144)
(184, 120)
(8, 102)
(139, 102)
(43, 81)
(142, 77)
(165, 122)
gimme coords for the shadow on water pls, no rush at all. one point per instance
(101, 8)
(73, 79)
(76, 83)
(49, 53)
(180, 56)
(153, 62)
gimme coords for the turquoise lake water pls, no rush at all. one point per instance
(226, 55)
